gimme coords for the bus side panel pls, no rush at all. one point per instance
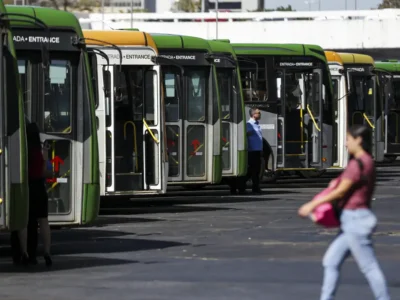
(17, 148)
(241, 131)
(91, 188)
(19, 207)
(242, 163)
(217, 130)
(91, 206)
(327, 146)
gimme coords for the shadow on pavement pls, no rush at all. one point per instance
(62, 263)
(71, 249)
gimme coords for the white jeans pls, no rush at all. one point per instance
(355, 238)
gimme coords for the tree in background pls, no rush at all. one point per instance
(187, 5)
(279, 8)
(389, 4)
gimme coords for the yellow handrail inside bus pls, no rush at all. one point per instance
(368, 121)
(175, 161)
(312, 117)
(134, 140)
(195, 151)
(151, 132)
(301, 128)
(170, 129)
(56, 183)
(53, 153)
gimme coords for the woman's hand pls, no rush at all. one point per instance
(333, 183)
(306, 209)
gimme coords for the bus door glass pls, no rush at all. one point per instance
(313, 112)
(186, 102)
(195, 129)
(336, 93)
(363, 109)
(392, 108)
(133, 137)
(49, 99)
(153, 132)
(173, 116)
(291, 132)
(228, 95)
(282, 98)
(58, 103)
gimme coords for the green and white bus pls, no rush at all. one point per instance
(14, 194)
(58, 96)
(192, 110)
(291, 85)
(234, 138)
(389, 81)
(130, 111)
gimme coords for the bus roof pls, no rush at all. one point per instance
(332, 56)
(218, 46)
(170, 41)
(389, 66)
(280, 49)
(51, 17)
(120, 38)
(354, 58)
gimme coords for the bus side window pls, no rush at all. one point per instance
(171, 97)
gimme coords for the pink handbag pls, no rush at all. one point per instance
(325, 214)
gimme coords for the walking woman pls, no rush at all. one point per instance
(355, 189)
(38, 199)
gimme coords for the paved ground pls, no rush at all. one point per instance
(220, 247)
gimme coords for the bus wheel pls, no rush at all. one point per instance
(311, 174)
(390, 158)
(193, 187)
(270, 176)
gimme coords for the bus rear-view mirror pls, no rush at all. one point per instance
(107, 83)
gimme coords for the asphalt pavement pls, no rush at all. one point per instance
(206, 245)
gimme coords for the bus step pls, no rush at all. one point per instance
(128, 181)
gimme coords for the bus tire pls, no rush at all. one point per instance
(390, 158)
(270, 175)
(194, 187)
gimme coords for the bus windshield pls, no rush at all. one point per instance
(196, 82)
(396, 92)
(57, 105)
(299, 85)
(228, 89)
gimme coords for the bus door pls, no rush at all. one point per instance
(281, 114)
(365, 108)
(392, 113)
(186, 120)
(229, 107)
(313, 117)
(62, 150)
(133, 131)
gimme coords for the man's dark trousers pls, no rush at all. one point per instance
(253, 171)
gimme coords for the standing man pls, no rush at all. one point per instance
(255, 152)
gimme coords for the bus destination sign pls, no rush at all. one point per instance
(186, 58)
(300, 62)
(27, 39)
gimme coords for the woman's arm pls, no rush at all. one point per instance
(338, 193)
